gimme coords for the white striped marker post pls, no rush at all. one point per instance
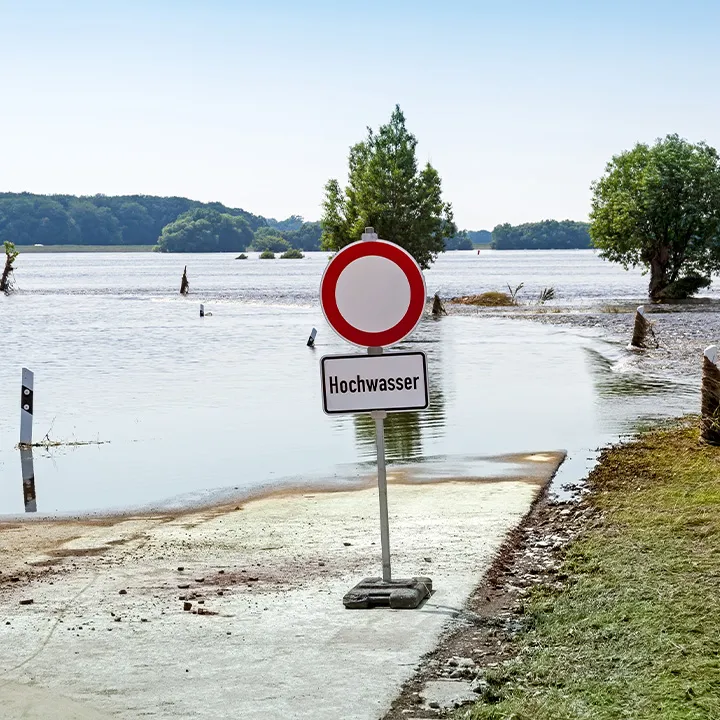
(26, 407)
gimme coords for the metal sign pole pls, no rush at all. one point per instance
(379, 417)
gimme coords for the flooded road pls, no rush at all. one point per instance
(196, 411)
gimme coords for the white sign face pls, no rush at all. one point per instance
(362, 383)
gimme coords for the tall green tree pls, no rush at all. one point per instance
(388, 192)
(659, 207)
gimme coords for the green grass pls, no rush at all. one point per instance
(635, 630)
(84, 248)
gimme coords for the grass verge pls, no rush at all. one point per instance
(631, 627)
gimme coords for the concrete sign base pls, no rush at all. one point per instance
(405, 594)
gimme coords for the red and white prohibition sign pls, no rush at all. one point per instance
(373, 293)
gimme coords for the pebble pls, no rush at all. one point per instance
(199, 580)
(183, 587)
(181, 568)
(347, 544)
(187, 606)
(29, 601)
(123, 592)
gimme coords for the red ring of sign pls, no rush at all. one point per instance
(407, 264)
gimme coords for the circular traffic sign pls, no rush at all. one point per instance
(373, 293)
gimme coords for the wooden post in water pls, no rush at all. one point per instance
(438, 308)
(311, 339)
(184, 284)
(641, 330)
(710, 397)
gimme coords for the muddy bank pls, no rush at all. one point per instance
(683, 330)
(455, 673)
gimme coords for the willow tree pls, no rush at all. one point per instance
(387, 191)
(659, 207)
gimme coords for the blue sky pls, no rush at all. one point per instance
(517, 104)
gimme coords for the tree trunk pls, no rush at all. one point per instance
(5, 279)
(658, 273)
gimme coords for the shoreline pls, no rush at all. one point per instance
(567, 587)
(397, 474)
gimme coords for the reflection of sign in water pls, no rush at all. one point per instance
(363, 383)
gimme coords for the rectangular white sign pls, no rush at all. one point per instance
(362, 383)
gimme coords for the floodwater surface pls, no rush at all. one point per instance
(194, 411)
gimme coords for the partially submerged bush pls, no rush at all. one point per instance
(292, 254)
(487, 299)
(547, 293)
(685, 287)
(242, 256)
(267, 255)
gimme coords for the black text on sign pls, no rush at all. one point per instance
(362, 383)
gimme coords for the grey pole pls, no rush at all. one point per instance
(382, 491)
(379, 417)
(26, 406)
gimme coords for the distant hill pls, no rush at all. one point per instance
(29, 219)
(545, 235)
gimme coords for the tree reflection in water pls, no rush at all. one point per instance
(403, 430)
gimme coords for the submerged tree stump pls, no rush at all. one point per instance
(710, 398)
(10, 254)
(643, 336)
(184, 284)
(438, 308)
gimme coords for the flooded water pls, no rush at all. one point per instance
(195, 410)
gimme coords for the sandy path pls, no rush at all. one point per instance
(106, 634)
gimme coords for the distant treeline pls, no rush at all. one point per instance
(467, 239)
(176, 224)
(172, 223)
(545, 235)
